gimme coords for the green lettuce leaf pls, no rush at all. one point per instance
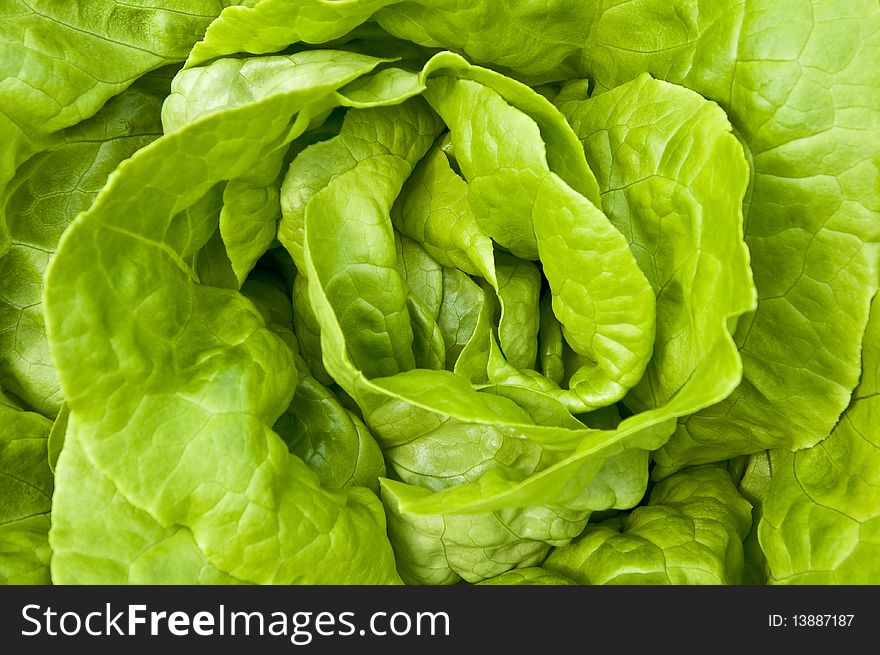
(531, 38)
(479, 475)
(796, 79)
(26, 488)
(691, 531)
(821, 509)
(48, 191)
(534, 575)
(192, 380)
(99, 537)
(672, 179)
(60, 62)
(382, 291)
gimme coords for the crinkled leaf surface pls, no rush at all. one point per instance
(48, 191)
(821, 510)
(187, 388)
(690, 532)
(521, 295)
(533, 575)
(797, 80)
(26, 488)
(504, 484)
(672, 179)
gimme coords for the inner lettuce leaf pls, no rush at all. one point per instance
(483, 486)
(679, 204)
(601, 297)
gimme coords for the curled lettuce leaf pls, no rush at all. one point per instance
(47, 192)
(690, 531)
(795, 79)
(492, 467)
(188, 387)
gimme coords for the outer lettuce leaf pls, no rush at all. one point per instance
(60, 62)
(534, 575)
(512, 43)
(49, 189)
(821, 510)
(505, 485)
(797, 80)
(100, 538)
(25, 495)
(690, 532)
(272, 25)
(317, 428)
(191, 381)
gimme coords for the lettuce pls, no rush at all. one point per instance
(416, 292)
